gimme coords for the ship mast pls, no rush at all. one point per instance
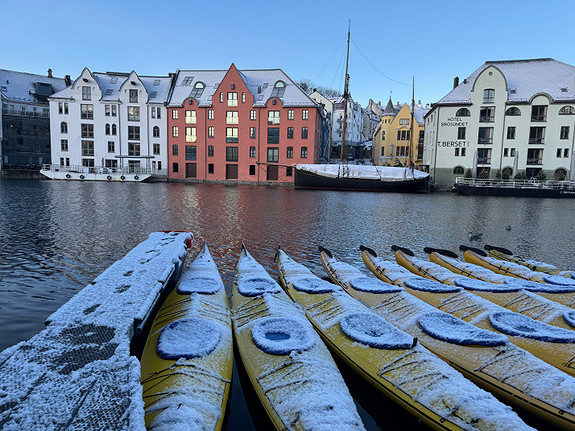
(345, 96)
(409, 162)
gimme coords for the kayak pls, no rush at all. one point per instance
(391, 359)
(186, 365)
(507, 371)
(289, 366)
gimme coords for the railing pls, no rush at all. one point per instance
(487, 119)
(536, 140)
(485, 141)
(21, 113)
(511, 183)
(484, 160)
(534, 161)
(538, 118)
(104, 170)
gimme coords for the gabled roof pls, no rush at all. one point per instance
(525, 79)
(260, 83)
(21, 87)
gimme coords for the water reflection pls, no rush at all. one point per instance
(56, 237)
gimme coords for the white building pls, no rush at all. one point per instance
(507, 118)
(111, 120)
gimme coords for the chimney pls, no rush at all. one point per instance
(49, 73)
(455, 81)
(67, 80)
(419, 103)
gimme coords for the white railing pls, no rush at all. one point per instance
(520, 184)
(104, 170)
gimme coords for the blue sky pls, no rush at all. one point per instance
(392, 42)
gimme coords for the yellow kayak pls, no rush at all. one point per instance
(505, 267)
(391, 360)
(291, 369)
(534, 265)
(508, 371)
(187, 360)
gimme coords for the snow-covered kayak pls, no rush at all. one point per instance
(507, 371)
(187, 360)
(291, 369)
(391, 360)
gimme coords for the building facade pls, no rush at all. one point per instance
(508, 118)
(392, 138)
(248, 126)
(111, 121)
(25, 121)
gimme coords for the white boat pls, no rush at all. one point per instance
(97, 173)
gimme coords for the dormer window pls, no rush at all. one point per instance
(197, 90)
(488, 95)
(279, 89)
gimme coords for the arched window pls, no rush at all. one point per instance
(488, 95)
(383, 135)
(107, 129)
(63, 127)
(458, 170)
(560, 174)
(156, 132)
(513, 111)
(113, 129)
(463, 112)
(567, 110)
(279, 89)
(197, 90)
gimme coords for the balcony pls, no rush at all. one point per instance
(536, 140)
(485, 140)
(20, 113)
(538, 118)
(534, 161)
(487, 119)
(484, 160)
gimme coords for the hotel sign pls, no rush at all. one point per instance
(453, 122)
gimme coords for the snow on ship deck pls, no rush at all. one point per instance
(78, 372)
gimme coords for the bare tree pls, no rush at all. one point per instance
(307, 86)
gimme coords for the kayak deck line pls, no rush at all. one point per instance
(78, 372)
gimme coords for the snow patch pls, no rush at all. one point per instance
(204, 285)
(188, 338)
(373, 285)
(522, 326)
(282, 335)
(374, 331)
(255, 286)
(484, 286)
(314, 285)
(427, 285)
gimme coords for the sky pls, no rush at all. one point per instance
(392, 43)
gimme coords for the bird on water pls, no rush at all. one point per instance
(474, 236)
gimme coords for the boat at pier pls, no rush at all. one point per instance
(98, 173)
(526, 189)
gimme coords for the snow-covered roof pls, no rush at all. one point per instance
(419, 113)
(260, 83)
(525, 79)
(21, 87)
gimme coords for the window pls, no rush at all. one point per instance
(232, 117)
(175, 131)
(231, 135)
(64, 145)
(133, 148)
(289, 171)
(273, 135)
(458, 170)
(63, 127)
(88, 163)
(252, 115)
(210, 114)
(463, 150)
(87, 130)
(539, 113)
(156, 149)
(273, 155)
(567, 110)
(191, 117)
(107, 129)
(289, 153)
(461, 132)
(252, 132)
(211, 151)
(383, 135)
(114, 110)
(174, 167)
(290, 132)
(252, 152)
(484, 156)
(231, 154)
(114, 129)
(60, 109)
(221, 97)
(156, 132)
(87, 148)
(232, 99)
(174, 114)
(537, 135)
(463, 112)
(564, 132)
(191, 170)
(290, 114)
(133, 96)
(506, 152)
(111, 147)
(86, 112)
(534, 156)
(133, 113)
(304, 132)
(512, 152)
(273, 117)
(190, 152)
(457, 152)
(107, 110)
(210, 168)
(511, 132)
(566, 152)
(86, 93)
(559, 152)
(304, 152)
(513, 112)
(243, 97)
(485, 135)
(191, 135)
(198, 90)
(252, 169)
(305, 114)
(134, 132)
(487, 114)
(279, 89)
(210, 131)
(153, 112)
(488, 95)
(174, 150)
(404, 121)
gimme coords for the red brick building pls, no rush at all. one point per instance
(244, 126)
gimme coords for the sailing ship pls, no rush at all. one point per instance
(361, 177)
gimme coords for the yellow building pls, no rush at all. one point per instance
(391, 140)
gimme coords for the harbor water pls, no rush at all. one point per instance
(56, 237)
